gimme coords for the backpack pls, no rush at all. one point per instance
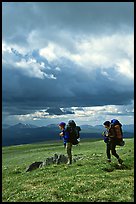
(73, 131)
(118, 130)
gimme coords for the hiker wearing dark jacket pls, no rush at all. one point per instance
(113, 141)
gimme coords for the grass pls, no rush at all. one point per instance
(90, 179)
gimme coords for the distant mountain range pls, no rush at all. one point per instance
(27, 133)
(21, 125)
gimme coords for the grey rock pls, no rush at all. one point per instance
(56, 159)
(49, 161)
(33, 166)
(44, 163)
(62, 159)
(74, 159)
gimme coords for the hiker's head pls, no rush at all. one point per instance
(62, 125)
(107, 124)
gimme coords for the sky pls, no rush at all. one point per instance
(67, 60)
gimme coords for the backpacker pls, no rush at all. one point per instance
(118, 130)
(73, 131)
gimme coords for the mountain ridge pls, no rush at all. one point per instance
(24, 134)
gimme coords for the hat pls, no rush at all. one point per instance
(62, 124)
(107, 123)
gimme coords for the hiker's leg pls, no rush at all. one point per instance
(108, 151)
(69, 152)
(115, 153)
(113, 150)
(64, 144)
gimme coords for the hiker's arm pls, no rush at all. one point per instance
(61, 134)
(105, 134)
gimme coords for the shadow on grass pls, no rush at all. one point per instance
(122, 167)
(118, 167)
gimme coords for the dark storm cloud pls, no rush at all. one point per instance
(49, 19)
(25, 24)
(57, 111)
(73, 87)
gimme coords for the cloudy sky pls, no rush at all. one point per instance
(67, 60)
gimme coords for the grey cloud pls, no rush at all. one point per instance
(122, 114)
(43, 71)
(58, 111)
(80, 109)
(62, 22)
(54, 111)
(73, 87)
(49, 19)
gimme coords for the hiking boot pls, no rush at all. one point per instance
(108, 160)
(69, 163)
(69, 160)
(120, 161)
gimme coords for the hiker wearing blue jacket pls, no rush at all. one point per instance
(71, 136)
(67, 144)
(63, 133)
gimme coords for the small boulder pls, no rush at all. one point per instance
(33, 166)
(49, 161)
(55, 158)
(62, 159)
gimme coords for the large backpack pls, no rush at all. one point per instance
(73, 131)
(118, 130)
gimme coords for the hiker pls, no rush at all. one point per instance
(71, 137)
(63, 133)
(107, 141)
(67, 143)
(112, 141)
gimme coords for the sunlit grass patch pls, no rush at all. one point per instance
(89, 179)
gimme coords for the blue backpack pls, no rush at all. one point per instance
(115, 122)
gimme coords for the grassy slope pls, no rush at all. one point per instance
(89, 179)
